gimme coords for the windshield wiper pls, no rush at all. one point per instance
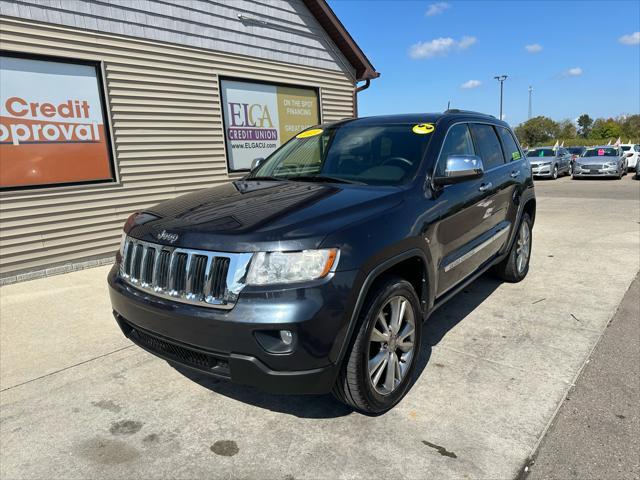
(322, 178)
(265, 178)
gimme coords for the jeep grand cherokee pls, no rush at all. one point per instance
(315, 272)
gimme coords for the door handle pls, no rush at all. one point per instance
(485, 186)
(515, 173)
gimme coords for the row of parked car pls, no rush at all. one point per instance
(581, 162)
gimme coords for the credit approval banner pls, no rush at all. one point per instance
(52, 128)
(259, 117)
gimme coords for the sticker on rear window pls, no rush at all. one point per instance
(423, 128)
(515, 156)
(310, 133)
(541, 153)
(600, 152)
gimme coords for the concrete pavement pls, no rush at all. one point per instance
(78, 402)
(595, 434)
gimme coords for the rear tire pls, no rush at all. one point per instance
(515, 267)
(360, 384)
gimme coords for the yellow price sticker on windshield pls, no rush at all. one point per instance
(423, 128)
(310, 133)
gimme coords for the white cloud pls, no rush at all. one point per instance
(466, 42)
(471, 84)
(573, 72)
(437, 8)
(631, 39)
(533, 48)
(439, 47)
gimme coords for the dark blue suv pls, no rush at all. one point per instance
(316, 271)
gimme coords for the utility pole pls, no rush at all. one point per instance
(501, 79)
(530, 91)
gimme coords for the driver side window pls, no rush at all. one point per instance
(457, 142)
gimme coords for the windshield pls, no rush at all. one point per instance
(601, 152)
(576, 150)
(626, 148)
(371, 155)
(541, 152)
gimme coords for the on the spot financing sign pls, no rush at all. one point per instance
(52, 128)
(260, 117)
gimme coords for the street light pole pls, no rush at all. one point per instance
(501, 79)
(530, 92)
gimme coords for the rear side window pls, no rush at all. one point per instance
(489, 147)
(458, 142)
(509, 145)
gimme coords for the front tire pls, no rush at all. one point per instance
(515, 267)
(555, 172)
(379, 366)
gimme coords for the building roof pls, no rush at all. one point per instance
(343, 40)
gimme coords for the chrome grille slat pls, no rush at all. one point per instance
(199, 277)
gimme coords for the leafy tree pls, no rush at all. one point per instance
(567, 129)
(537, 130)
(585, 122)
(631, 128)
(605, 129)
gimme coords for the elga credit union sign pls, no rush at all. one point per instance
(52, 128)
(260, 117)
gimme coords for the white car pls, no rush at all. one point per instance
(632, 153)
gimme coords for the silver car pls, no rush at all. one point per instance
(549, 162)
(603, 161)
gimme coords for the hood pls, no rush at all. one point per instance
(246, 216)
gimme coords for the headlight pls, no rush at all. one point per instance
(122, 240)
(545, 164)
(611, 164)
(290, 267)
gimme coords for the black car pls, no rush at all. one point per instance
(315, 272)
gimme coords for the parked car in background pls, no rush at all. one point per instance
(575, 153)
(603, 161)
(550, 162)
(315, 271)
(632, 152)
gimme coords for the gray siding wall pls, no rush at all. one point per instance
(279, 30)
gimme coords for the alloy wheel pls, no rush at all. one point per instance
(391, 345)
(523, 248)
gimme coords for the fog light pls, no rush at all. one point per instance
(286, 336)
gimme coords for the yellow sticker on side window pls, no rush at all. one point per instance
(423, 128)
(310, 133)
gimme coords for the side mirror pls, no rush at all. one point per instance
(255, 163)
(460, 168)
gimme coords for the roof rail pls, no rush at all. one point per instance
(455, 110)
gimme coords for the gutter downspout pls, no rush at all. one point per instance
(355, 95)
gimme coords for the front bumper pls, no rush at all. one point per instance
(230, 343)
(601, 172)
(542, 171)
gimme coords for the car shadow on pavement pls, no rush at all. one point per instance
(325, 406)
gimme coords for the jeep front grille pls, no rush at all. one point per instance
(198, 277)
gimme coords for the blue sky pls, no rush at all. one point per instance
(583, 57)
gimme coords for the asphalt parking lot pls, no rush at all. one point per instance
(79, 401)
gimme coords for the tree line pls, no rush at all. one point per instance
(543, 130)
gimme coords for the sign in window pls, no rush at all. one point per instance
(52, 124)
(259, 117)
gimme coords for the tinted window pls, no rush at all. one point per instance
(509, 145)
(626, 148)
(601, 152)
(458, 142)
(371, 154)
(637, 148)
(576, 150)
(541, 152)
(488, 145)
